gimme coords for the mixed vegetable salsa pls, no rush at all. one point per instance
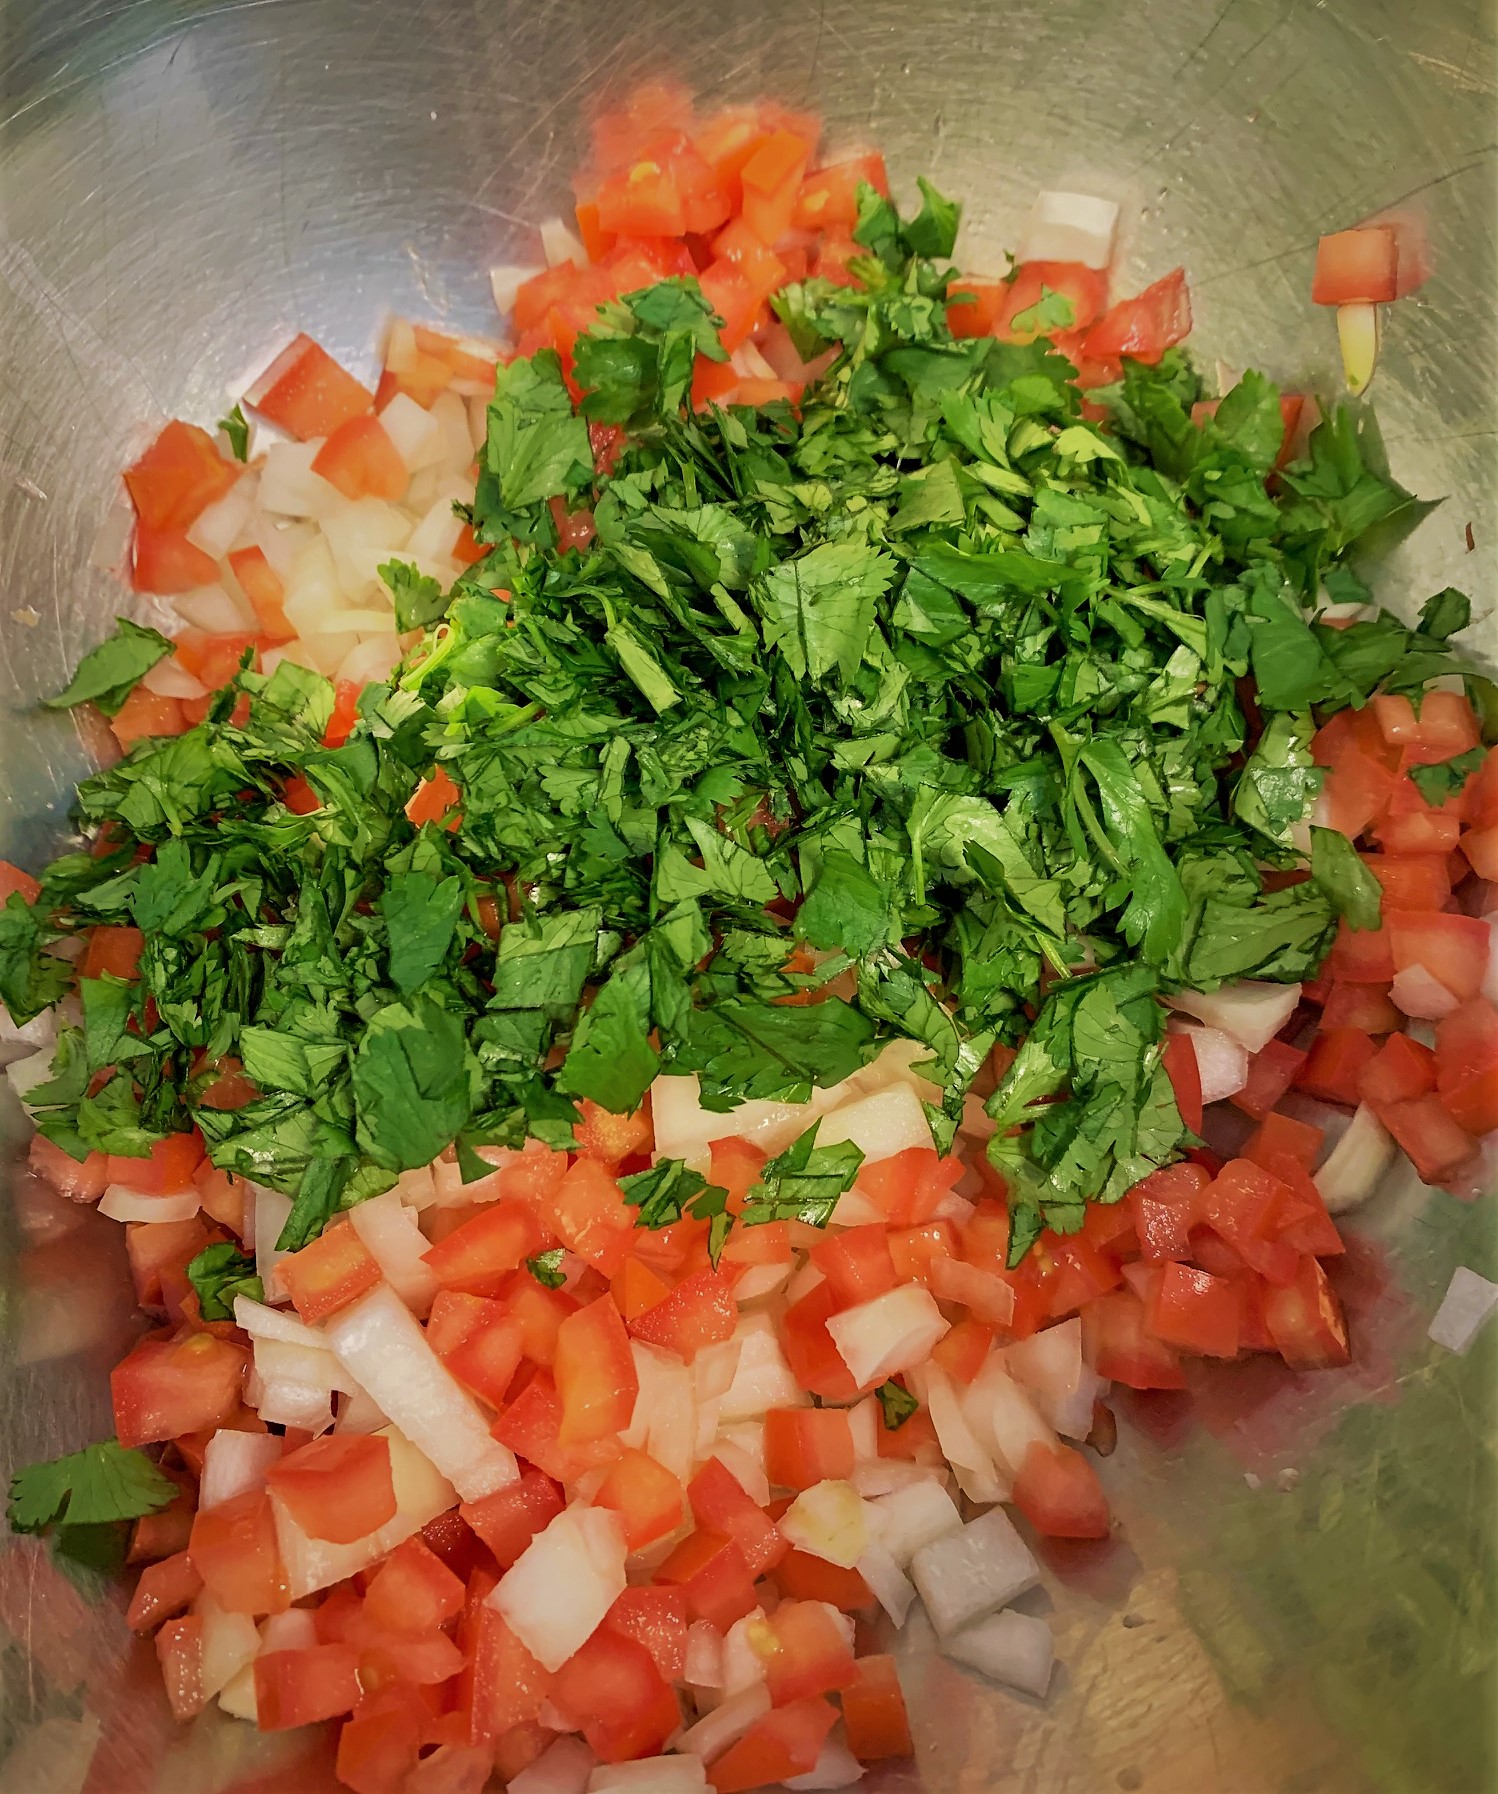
(704, 927)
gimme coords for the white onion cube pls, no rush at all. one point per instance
(971, 1572)
(1013, 1648)
(555, 1594)
(894, 1332)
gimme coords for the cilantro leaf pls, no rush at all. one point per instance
(897, 1404)
(92, 1487)
(108, 674)
(236, 427)
(1344, 880)
(1445, 779)
(421, 913)
(803, 1183)
(546, 1268)
(219, 1273)
(413, 1083)
(418, 598)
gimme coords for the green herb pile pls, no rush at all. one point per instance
(937, 683)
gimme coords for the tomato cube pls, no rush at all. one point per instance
(805, 1652)
(1271, 1072)
(784, 1744)
(657, 1619)
(1356, 267)
(711, 1572)
(306, 392)
(178, 477)
(171, 1166)
(909, 1186)
(963, 1351)
(874, 1716)
(171, 1386)
(589, 1213)
(339, 1488)
(1166, 1206)
(179, 1650)
(531, 1427)
(1402, 1068)
(804, 1577)
(1058, 1491)
(612, 1138)
(234, 1549)
(413, 1590)
(301, 1687)
(700, 1311)
(1143, 328)
(1435, 1144)
(1363, 1006)
(856, 1263)
(1283, 1134)
(479, 1256)
(721, 1504)
(804, 1446)
(361, 461)
(612, 1689)
(595, 1373)
(912, 1249)
(814, 1359)
(164, 1589)
(1335, 1064)
(1196, 1311)
(511, 1517)
(1452, 948)
(1305, 1320)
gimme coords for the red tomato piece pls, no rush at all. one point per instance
(1435, 1144)
(486, 1359)
(1411, 881)
(815, 1361)
(1305, 1320)
(178, 477)
(338, 1488)
(1466, 1065)
(161, 1250)
(784, 1744)
(85, 1182)
(700, 1311)
(379, 1744)
(1335, 1065)
(1178, 1056)
(1283, 1134)
(168, 1171)
(1166, 1206)
(361, 461)
(539, 1313)
(1073, 1270)
(1143, 328)
(301, 1687)
(1480, 846)
(721, 1504)
(771, 180)
(589, 1213)
(1402, 1068)
(511, 1517)
(975, 306)
(1196, 1311)
(856, 1263)
(166, 563)
(1058, 1492)
(307, 393)
(329, 1273)
(413, 1590)
(644, 1494)
(116, 951)
(171, 1386)
(638, 1288)
(963, 1350)
(531, 1427)
(1363, 1006)
(829, 196)
(435, 800)
(1412, 826)
(1356, 267)
(805, 1652)
(13, 881)
(803, 1577)
(233, 1548)
(179, 1650)
(1452, 948)
(1085, 290)
(657, 1619)
(478, 1257)
(709, 1569)
(613, 1690)
(1271, 1072)
(595, 1373)
(503, 1685)
(1445, 727)
(612, 1138)
(909, 1186)
(164, 1589)
(874, 1716)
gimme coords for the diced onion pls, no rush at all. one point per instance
(386, 1352)
(907, 1519)
(237, 1697)
(294, 1630)
(835, 1767)
(170, 679)
(506, 281)
(414, 432)
(1468, 1302)
(1250, 1012)
(1419, 993)
(218, 526)
(892, 1588)
(1002, 1417)
(1013, 1648)
(828, 1521)
(650, 1775)
(713, 1370)
(290, 488)
(1050, 1367)
(123, 1204)
(664, 1420)
(230, 1640)
(863, 1424)
(884, 1476)
(884, 1123)
(111, 542)
(970, 1572)
(704, 1658)
(562, 1768)
(215, 610)
(1356, 1163)
(308, 1409)
(233, 1464)
(1070, 227)
(558, 245)
(371, 660)
(271, 1212)
(977, 1475)
(263, 1322)
(396, 1243)
(360, 1413)
(749, 1475)
(892, 1333)
(759, 1281)
(438, 531)
(555, 1594)
(313, 1367)
(362, 536)
(985, 1293)
(743, 1656)
(1221, 1062)
(717, 1731)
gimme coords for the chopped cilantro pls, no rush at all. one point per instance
(219, 1273)
(236, 427)
(546, 1267)
(897, 1404)
(1446, 779)
(108, 674)
(92, 1487)
(804, 1182)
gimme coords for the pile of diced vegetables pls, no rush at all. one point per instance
(708, 926)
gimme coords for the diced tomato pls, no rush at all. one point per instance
(116, 951)
(511, 1517)
(379, 1745)
(1143, 328)
(1178, 1056)
(589, 1213)
(1283, 1134)
(1271, 1072)
(171, 1386)
(301, 1687)
(771, 180)
(1335, 1065)
(700, 1311)
(178, 477)
(1196, 1311)
(829, 196)
(784, 1744)
(657, 1619)
(874, 1716)
(479, 1257)
(768, 1243)
(179, 1650)
(721, 1504)
(1410, 881)
(909, 1186)
(328, 1274)
(1356, 267)
(643, 201)
(814, 1360)
(595, 1373)
(170, 1168)
(912, 1249)
(233, 1548)
(1444, 727)
(963, 1350)
(1402, 1068)
(488, 1354)
(1361, 956)
(806, 1578)
(711, 1572)
(975, 306)
(1435, 1144)
(1466, 1065)
(1364, 1006)
(13, 880)
(338, 1488)
(164, 1589)
(413, 1590)
(805, 1652)
(307, 393)
(1413, 826)
(1058, 1492)
(164, 562)
(1085, 290)
(78, 1182)
(638, 1288)
(1305, 1320)
(1480, 846)
(531, 1427)
(503, 1685)
(726, 142)
(1071, 1271)
(612, 1138)
(435, 800)
(538, 1312)
(1165, 1207)
(856, 1263)
(644, 1494)
(1121, 1348)
(1452, 948)
(613, 1690)
(361, 461)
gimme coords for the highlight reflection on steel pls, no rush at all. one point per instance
(1301, 1594)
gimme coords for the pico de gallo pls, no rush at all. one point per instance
(707, 923)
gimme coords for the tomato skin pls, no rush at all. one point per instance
(1431, 1139)
(1402, 1068)
(1196, 1311)
(645, 1495)
(328, 1274)
(700, 1311)
(531, 1427)
(613, 1690)
(709, 1569)
(805, 1653)
(856, 1263)
(306, 392)
(1178, 1056)
(657, 1619)
(361, 461)
(1121, 1348)
(1143, 328)
(1271, 1072)
(1335, 1065)
(874, 1716)
(478, 1257)
(595, 1373)
(233, 1548)
(1058, 1492)
(721, 1504)
(171, 1386)
(301, 1687)
(511, 1517)
(1166, 1205)
(338, 1488)
(1305, 1320)
(784, 1744)
(1356, 267)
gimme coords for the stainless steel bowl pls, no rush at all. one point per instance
(1301, 1596)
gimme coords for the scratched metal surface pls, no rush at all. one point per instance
(1301, 1598)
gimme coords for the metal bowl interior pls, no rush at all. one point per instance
(1301, 1593)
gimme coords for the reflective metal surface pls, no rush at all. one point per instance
(1301, 1597)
